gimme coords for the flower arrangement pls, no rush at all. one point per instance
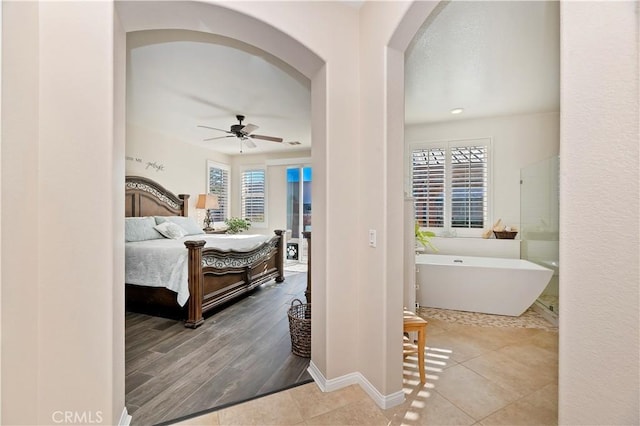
(237, 224)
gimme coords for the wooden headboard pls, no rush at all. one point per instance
(145, 197)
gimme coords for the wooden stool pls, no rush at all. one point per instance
(412, 322)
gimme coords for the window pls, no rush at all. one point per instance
(252, 195)
(298, 200)
(218, 184)
(450, 184)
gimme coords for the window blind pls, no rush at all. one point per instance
(450, 185)
(468, 186)
(253, 195)
(429, 186)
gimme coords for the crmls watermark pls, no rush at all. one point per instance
(76, 417)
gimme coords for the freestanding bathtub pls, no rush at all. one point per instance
(479, 284)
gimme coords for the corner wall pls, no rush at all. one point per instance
(380, 189)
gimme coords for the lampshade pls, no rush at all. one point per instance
(207, 201)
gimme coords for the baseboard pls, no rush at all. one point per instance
(382, 401)
(125, 418)
(552, 317)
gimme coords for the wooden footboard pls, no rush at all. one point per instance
(218, 276)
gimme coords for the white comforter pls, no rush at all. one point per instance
(163, 262)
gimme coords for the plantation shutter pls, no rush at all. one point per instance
(428, 174)
(450, 184)
(253, 195)
(468, 186)
(219, 185)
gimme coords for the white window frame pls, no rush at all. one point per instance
(227, 205)
(447, 230)
(243, 170)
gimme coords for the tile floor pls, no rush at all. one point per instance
(475, 376)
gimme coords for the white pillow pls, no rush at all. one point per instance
(170, 230)
(188, 224)
(140, 229)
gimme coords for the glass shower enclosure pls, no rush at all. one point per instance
(539, 223)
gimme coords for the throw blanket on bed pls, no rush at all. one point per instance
(163, 262)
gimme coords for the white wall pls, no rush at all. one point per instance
(381, 205)
(75, 210)
(0, 207)
(517, 141)
(118, 160)
(599, 377)
(62, 345)
(58, 170)
(20, 236)
(62, 122)
(182, 166)
(184, 171)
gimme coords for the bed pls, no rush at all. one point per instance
(214, 275)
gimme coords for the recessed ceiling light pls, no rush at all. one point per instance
(457, 110)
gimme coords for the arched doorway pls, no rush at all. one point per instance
(138, 16)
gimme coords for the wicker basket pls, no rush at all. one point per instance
(505, 235)
(300, 328)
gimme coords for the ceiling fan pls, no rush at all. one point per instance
(244, 132)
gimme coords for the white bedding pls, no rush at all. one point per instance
(163, 262)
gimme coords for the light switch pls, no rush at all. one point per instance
(372, 237)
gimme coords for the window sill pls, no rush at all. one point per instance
(458, 237)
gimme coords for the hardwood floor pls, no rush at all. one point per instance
(240, 352)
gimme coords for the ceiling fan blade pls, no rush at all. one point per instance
(249, 128)
(214, 128)
(250, 143)
(266, 138)
(219, 137)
